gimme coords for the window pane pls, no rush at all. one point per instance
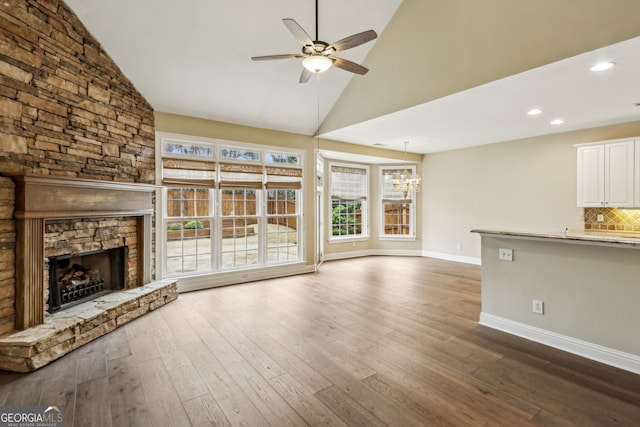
(397, 219)
(239, 242)
(188, 237)
(239, 154)
(282, 159)
(346, 217)
(282, 202)
(187, 149)
(282, 226)
(187, 242)
(388, 191)
(282, 243)
(239, 202)
(187, 202)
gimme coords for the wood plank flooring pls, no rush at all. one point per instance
(376, 341)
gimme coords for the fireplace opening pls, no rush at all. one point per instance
(77, 278)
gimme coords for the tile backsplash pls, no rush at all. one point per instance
(614, 219)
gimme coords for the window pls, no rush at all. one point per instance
(348, 189)
(398, 211)
(187, 216)
(284, 159)
(239, 216)
(188, 229)
(182, 148)
(228, 207)
(240, 190)
(282, 212)
(229, 153)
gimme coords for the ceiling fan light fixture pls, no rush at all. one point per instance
(317, 63)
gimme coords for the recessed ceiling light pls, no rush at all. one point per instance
(557, 122)
(534, 112)
(601, 66)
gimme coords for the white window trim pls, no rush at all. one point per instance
(412, 226)
(165, 220)
(365, 235)
(161, 203)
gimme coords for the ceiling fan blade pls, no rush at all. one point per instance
(270, 57)
(305, 76)
(349, 66)
(298, 32)
(353, 41)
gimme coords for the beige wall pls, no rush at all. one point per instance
(524, 185)
(589, 292)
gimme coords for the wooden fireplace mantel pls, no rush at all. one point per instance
(50, 197)
(45, 197)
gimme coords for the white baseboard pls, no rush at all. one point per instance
(395, 252)
(370, 252)
(606, 355)
(206, 281)
(450, 257)
(344, 255)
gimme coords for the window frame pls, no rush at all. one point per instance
(387, 200)
(166, 220)
(296, 216)
(364, 234)
(216, 186)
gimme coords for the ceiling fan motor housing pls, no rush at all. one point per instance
(318, 47)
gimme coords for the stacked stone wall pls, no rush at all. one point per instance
(65, 109)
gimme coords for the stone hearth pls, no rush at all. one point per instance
(64, 331)
(71, 205)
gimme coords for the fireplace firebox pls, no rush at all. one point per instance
(76, 278)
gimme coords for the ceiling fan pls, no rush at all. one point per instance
(318, 55)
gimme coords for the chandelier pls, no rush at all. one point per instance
(405, 181)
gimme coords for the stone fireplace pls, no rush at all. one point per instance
(81, 216)
(83, 265)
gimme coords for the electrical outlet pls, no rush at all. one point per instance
(505, 254)
(600, 218)
(538, 306)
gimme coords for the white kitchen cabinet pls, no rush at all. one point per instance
(606, 175)
(591, 175)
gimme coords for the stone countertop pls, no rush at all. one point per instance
(596, 237)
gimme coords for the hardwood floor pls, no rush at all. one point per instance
(365, 342)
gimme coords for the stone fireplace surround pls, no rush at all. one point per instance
(40, 198)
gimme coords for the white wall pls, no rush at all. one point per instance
(523, 185)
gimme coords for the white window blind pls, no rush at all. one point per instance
(188, 172)
(388, 193)
(283, 178)
(348, 183)
(236, 175)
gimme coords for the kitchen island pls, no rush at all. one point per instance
(587, 281)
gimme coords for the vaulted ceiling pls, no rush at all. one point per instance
(445, 74)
